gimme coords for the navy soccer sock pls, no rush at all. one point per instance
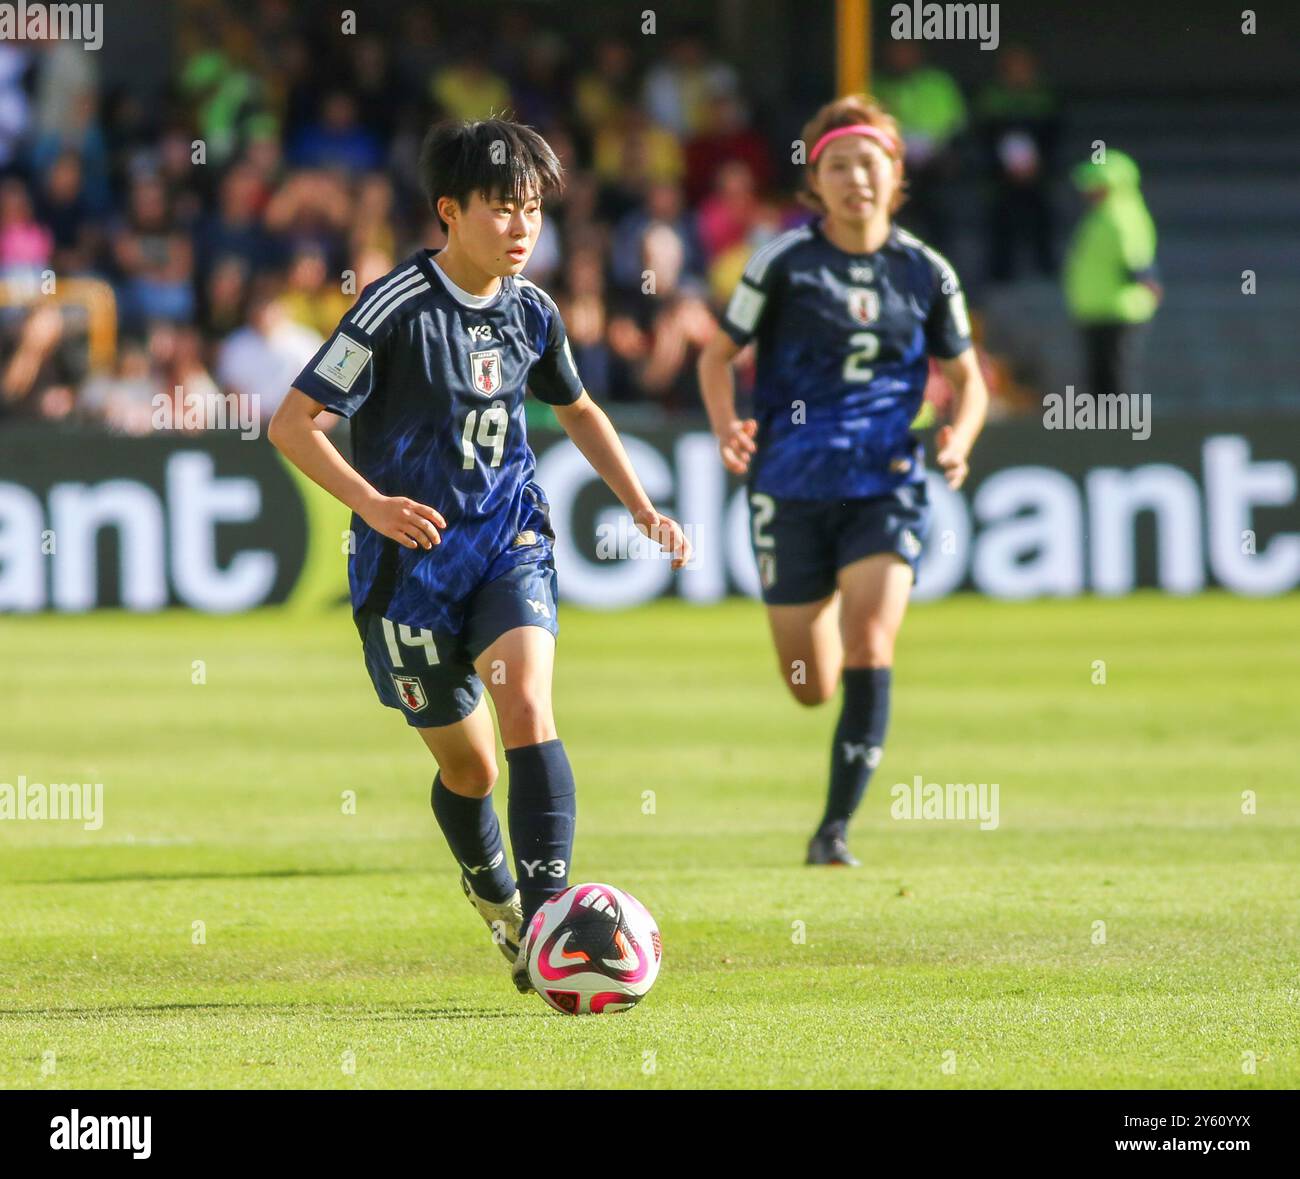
(541, 813)
(474, 835)
(858, 740)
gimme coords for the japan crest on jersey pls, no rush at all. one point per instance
(864, 304)
(486, 370)
(411, 691)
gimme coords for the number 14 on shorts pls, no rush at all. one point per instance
(400, 635)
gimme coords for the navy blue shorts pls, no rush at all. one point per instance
(431, 677)
(801, 544)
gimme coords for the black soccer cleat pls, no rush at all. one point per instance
(829, 848)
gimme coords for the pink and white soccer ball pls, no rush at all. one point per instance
(592, 949)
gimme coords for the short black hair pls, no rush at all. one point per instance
(494, 157)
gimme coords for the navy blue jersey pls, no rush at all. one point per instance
(843, 342)
(434, 379)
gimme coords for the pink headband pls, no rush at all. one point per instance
(866, 129)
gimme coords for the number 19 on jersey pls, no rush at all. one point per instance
(484, 428)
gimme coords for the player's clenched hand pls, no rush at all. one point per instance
(411, 524)
(666, 533)
(736, 445)
(951, 457)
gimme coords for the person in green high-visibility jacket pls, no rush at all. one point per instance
(1110, 277)
(931, 113)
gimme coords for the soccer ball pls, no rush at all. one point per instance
(592, 949)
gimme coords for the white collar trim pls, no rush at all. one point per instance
(461, 295)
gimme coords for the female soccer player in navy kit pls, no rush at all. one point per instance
(845, 313)
(452, 578)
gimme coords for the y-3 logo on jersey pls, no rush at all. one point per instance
(539, 607)
(480, 331)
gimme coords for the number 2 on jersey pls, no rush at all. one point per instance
(492, 425)
(866, 348)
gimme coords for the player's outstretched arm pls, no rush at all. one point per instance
(953, 442)
(593, 434)
(294, 433)
(718, 388)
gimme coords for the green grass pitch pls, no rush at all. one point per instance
(337, 951)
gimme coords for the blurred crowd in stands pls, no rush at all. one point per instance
(207, 239)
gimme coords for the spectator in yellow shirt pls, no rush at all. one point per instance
(470, 90)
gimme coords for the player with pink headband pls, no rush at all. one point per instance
(845, 314)
(887, 141)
